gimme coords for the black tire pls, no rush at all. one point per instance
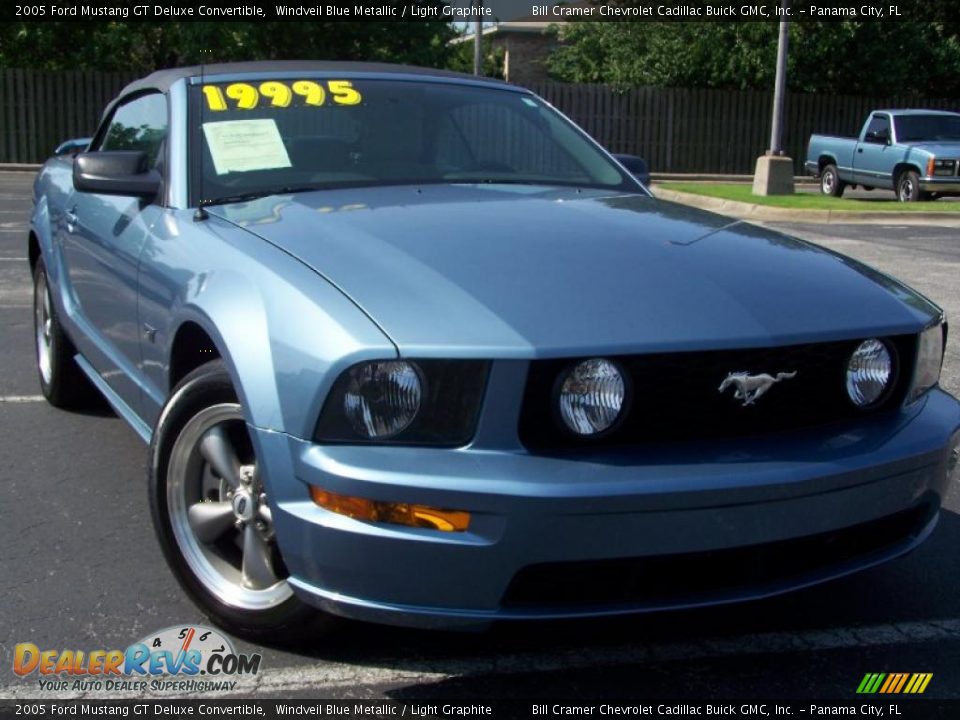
(62, 382)
(212, 569)
(830, 182)
(908, 187)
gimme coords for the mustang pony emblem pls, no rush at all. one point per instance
(749, 387)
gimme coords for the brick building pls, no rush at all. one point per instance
(526, 45)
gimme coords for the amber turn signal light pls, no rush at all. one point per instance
(420, 516)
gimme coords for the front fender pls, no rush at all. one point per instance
(283, 331)
(41, 229)
(51, 191)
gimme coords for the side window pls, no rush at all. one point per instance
(140, 124)
(878, 124)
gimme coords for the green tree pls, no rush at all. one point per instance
(867, 58)
(461, 59)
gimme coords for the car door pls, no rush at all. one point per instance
(874, 159)
(105, 235)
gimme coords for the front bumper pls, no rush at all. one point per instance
(945, 185)
(550, 536)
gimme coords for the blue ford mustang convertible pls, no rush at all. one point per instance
(408, 346)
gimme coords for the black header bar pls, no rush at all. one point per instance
(532, 11)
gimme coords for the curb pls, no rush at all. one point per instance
(19, 167)
(720, 177)
(764, 213)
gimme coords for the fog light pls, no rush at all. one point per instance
(591, 396)
(869, 373)
(419, 516)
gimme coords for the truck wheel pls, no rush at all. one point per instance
(62, 383)
(211, 515)
(908, 187)
(830, 182)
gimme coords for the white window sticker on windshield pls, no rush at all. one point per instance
(244, 145)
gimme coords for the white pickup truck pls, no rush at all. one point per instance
(915, 153)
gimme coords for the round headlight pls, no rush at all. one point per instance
(382, 398)
(591, 396)
(869, 373)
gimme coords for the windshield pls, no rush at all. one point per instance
(263, 137)
(914, 128)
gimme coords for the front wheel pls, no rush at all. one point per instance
(830, 182)
(211, 514)
(908, 187)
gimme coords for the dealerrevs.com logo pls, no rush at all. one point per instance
(189, 658)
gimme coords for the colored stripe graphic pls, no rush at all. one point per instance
(892, 679)
(903, 681)
(922, 680)
(894, 683)
(867, 683)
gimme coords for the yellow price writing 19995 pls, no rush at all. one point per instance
(272, 93)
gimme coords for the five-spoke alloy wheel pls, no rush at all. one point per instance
(219, 513)
(211, 512)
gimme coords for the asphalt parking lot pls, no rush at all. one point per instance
(81, 568)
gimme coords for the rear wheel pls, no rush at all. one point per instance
(62, 382)
(211, 514)
(830, 182)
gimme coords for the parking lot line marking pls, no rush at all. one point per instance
(379, 674)
(13, 259)
(21, 398)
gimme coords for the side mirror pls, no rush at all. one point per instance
(116, 172)
(72, 147)
(637, 167)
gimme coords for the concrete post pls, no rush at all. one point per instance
(774, 170)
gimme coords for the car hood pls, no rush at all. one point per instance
(531, 271)
(940, 148)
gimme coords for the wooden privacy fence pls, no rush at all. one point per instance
(40, 109)
(712, 131)
(675, 130)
